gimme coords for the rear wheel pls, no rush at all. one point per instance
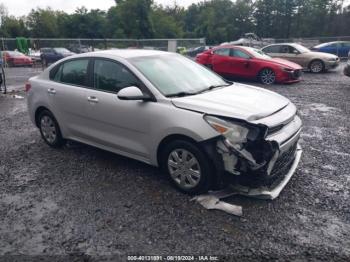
(49, 129)
(317, 66)
(187, 166)
(267, 76)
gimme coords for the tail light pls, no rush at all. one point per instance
(27, 86)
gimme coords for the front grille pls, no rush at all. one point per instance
(284, 161)
(297, 74)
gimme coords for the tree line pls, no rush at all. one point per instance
(217, 20)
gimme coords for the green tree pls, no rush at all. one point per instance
(165, 25)
(134, 18)
(43, 23)
(13, 27)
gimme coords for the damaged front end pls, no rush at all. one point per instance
(258, 158)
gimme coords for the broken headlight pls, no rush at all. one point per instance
(235, 133)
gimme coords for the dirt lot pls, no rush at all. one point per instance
(83, 204)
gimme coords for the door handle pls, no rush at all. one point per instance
(92, 99)
(51, 91)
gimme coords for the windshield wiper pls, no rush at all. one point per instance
(216, 86)
(211, 88)
(181, 94)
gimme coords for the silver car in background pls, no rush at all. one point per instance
(166, 110)
(316, 62)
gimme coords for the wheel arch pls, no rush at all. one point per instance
(168, 139)
(315, 59)
(37, 113)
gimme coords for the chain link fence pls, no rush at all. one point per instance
(171, 45)
(88, 45)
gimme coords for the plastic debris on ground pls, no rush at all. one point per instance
(212, 201)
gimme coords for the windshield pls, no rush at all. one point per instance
(301, 49)
(174, 74)
(61, 50)
(259, 54)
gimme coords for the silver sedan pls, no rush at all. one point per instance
(166, 110)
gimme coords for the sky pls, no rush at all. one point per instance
(23, 7)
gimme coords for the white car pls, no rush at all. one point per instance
(166, 110)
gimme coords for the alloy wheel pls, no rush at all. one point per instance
(48, 129)
(316, 67)
(184, 168)
(267, 76)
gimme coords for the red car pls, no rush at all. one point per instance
(14, 58)
(249, 63)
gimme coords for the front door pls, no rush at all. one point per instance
(119, 125)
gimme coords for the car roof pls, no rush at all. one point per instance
(126, 53)
(330, 43)
(292, 44)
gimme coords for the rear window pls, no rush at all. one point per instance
(72, 72)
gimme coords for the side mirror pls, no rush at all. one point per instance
(296, 52)
(132, 93)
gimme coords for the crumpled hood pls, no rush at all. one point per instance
(237, 101)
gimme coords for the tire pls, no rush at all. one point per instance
(316, 66)
(267, 76)
(49, 129)
(192, 176)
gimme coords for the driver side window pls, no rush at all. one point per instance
(285, 49)
(112, 77)
(240, 54)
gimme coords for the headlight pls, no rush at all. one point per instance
(332, 59)
(287, 69)
(235, 133)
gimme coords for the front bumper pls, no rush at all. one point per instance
(263, 167)
(289, 77)
(331, 64)
(270, 193)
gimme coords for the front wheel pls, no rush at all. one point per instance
(317, 66)
(188, 167)
(267, 76)
(49, 129)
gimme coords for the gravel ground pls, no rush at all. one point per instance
(83, 204)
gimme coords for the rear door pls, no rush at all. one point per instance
(220, 61)
(67, 95)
